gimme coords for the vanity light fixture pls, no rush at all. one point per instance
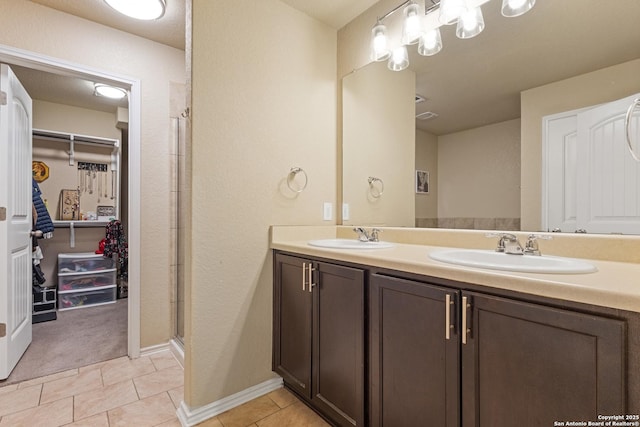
(145, 10)
(424, 28)
(109, 91)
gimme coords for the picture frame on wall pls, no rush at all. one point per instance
(422, 182)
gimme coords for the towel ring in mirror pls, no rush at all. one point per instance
(627, 126)
(376, 190)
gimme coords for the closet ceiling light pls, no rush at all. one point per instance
(109, 91)
(139, 9)
(424, 28)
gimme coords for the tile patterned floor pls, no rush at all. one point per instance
(141, 392)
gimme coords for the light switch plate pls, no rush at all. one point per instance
(345, 211)
(327, 211)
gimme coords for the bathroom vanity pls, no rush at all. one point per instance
(389, 337)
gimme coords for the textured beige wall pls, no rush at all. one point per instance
(479, 172)
(588, 89)
(378, 140)
(29, 26)
(263, 101)
(427, 160)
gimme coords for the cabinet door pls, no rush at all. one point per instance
(338, 344)
(292, 323)
(530, 365)
(414, 362)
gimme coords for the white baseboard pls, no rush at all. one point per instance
(178, 351)
(154, 349)
(190, 417)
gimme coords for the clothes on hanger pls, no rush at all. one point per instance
(116, 244)
(42, 219)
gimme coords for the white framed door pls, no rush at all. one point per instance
(15, 220)
(590, 181)
(608, 177)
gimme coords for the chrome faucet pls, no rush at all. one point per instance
(365, 236)
(509, 244)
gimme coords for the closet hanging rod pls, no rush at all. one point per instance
(78, 139)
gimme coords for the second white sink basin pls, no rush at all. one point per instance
(349, 244)
(520, 263)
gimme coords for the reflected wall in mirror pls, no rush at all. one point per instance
(483, 150)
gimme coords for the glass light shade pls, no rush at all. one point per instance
(379, 43)
(109, 91)
(139, 9)
(399, 59)
(430, 43)
(451, 10)
(513, 8)
(470, 24)
(412, 25)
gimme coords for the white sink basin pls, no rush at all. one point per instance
(349, 244)
(521, 263)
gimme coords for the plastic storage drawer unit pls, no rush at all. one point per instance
(70, 300)
(84, 280)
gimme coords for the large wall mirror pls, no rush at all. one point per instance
(482, 148)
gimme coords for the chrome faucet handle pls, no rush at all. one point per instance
(363, 236)
(507, 243)
(531, 247)
(374, 235)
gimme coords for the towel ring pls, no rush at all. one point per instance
(379, 192)
(627, 126)
(292, 174)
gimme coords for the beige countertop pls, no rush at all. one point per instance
(616, 284)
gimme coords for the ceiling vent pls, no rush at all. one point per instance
(426, 115)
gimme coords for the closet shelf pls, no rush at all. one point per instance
(79, 224)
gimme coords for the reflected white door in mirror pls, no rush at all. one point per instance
(590, 181)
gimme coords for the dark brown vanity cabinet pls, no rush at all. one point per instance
(503, 362)
(319, 325)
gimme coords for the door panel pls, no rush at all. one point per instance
(338, 350)
(536, 365)
(414, 367)
(292, 324)
(15, 243)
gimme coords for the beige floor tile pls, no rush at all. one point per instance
(172, 423)
(100, 420)
(177, 396)
(8, 388)
(249, 412)
(164, 360)
(101, 364)
(51, 415)
(295, 415)
(283, 397)
(159, 381)
(47, 378)
(70, 386)
(211, 422)
(124, 369)
(150, 412)
(103, 399)
(20, 399)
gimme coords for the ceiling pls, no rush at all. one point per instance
(470, 83)
(169, 30)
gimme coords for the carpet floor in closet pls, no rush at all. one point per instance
(76, 338)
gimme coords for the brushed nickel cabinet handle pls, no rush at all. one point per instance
(464, 320)
(304, 275)
(447, 316)
(311, 284)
